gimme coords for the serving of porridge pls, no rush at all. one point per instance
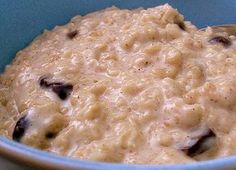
(128, 86)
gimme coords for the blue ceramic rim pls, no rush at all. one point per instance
(55, 161)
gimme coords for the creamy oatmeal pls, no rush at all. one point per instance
(130, 86)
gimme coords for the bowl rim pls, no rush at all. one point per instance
(27, 156)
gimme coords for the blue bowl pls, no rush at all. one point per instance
(22, 20)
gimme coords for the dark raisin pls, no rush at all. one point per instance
(181, 25)
(43, 82)
(50, 135)
(219, 39)
(21, 126)
(62, 90)
(72, 34)
(202, 145)
(46, 82)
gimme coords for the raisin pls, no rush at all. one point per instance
(202, 145)
(43, 82)
(50, 135)
(21, 126)
(181, 25)
(219, 39)
(62, 90)
(72, 34)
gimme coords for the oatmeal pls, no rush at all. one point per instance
(128, 86)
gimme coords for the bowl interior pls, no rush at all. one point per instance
(22, 20)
